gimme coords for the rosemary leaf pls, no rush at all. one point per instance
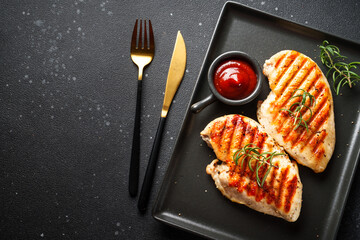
(253, 154)
(342, 73)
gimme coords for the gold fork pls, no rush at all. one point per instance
(141, 54)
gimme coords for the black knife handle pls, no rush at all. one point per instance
(149, 175)
(135, 150)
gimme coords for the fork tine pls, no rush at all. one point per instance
(152, 43)
(140, 36)
(133, 39)
(145, 36)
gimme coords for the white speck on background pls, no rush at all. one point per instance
(79, 29)
(171, 14)
(39, 23)
(306, 22)
(263, 2)
(116, 233)
(41, 235)
(118, 224)
(276, 8)
(110, 13)
(78, 11)
(200, 24)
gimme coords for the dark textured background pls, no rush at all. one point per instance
(67, 97)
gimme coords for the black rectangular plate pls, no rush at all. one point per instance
(188, 198)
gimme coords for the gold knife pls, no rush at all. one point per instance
(175, 75)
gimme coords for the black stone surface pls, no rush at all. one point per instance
(67, 97)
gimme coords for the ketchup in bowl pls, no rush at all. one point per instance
(235, 79)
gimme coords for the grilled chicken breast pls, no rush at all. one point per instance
(281, 193)
(311, 145)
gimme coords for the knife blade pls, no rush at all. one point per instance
(174, 78)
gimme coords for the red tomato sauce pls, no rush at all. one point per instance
(235, 79)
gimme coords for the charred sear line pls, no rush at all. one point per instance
(293, 72)
(279, 60)
(292, 130)
(284, 66)
(291, 190)
(284, 99)
(288, 118)
(317, 122)
(304, 136)
(283, 176)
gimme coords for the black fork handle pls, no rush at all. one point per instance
(150, 170)
(135, 151)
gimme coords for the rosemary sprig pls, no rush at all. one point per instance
(252, 152)
(296, 113)
(342, 73)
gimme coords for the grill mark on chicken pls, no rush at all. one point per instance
(290, 73)
(283, 176)
(302, 136)
(301, 77)
(319, 121)
(284, 64)
(317, 146)
(226, 138)
(290, 193)
(237, 136)
(217, 131)
(259, 142)
(273, 175)
(292, 135)
(280, 113)
(248, 138)
(279, 60)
